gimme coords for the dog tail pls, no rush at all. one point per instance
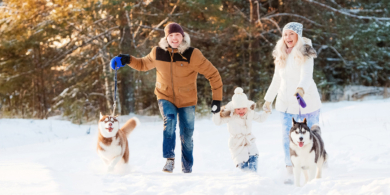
(315, 129)
(130, 125)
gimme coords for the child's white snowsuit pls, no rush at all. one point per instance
(242, 143)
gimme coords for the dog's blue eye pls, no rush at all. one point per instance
(296, 132)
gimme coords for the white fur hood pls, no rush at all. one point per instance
(184, 45)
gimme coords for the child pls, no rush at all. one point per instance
(238, 114)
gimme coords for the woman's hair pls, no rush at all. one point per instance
(280, 55)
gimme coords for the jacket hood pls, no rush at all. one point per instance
(184, 45)
(228, 110)
(307, 48)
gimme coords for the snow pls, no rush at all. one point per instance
(58, 157)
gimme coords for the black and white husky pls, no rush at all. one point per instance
(307, 151)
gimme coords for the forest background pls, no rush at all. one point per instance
(55, 54)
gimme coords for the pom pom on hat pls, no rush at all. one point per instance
(238, 90)
(239, 99)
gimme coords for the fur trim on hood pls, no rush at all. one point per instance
(307, 49)
(228, 109)
(184, 45)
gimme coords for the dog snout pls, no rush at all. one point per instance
(301, 138)
(110, 124)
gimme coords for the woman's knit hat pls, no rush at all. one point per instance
(173, 28)
(294, 26)
(239, 99)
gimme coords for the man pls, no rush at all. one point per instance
(177, 66)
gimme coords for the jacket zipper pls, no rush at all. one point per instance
(173, 87)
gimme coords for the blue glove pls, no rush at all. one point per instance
(120, 61)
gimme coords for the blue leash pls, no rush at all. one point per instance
(116, 81)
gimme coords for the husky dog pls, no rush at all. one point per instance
(112, 142)
(307, 151)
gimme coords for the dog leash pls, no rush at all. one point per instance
(115, 62)
(116, 81)
(301, 103)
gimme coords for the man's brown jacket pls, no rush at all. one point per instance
(177, 71)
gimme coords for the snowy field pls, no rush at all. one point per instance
(57, 157)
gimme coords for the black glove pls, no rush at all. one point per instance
(215, 106)
(125, 58)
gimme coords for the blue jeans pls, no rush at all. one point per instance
(169, 113)
(312, 118)
(250, 165)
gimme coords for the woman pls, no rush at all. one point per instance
(178, 66)
(293, 58)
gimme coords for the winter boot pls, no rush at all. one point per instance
(289, 180)
(169, 165)
(186, 171)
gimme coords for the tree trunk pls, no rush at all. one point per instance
(385, 92)
(106, 83)
(250, 50)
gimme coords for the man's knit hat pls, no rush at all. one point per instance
(239, 99)
(173, 28)
(294, 26)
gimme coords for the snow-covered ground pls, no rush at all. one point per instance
(57, 157)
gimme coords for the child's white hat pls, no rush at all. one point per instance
(239, 99)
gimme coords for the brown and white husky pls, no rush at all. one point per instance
(112, 142)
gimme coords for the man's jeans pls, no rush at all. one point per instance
(170, 114)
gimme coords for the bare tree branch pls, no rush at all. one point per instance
(62, 54)
(158, 15)
(97, 94)
(345, 13)
(362, 10)
(258, 16)
(243, 29)
(276, 24)
(161, 23)
(123, 37)
(132, 35)
(334, 49)
(106, 18)
(136, 31)
(148, 27)
(293, 15)
(241, 13)
(262, 36)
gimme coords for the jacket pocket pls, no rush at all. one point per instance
(183, 69)
(161, 88)
(188, 95)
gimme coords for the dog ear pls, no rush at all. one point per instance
(101, 116)
(304, 121)
(293, 121)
